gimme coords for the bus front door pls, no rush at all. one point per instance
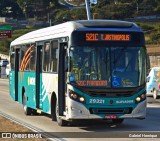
(61, 78)
(17, 54)
(38, 75)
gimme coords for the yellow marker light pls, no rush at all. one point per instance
(81, 99)
(138, 99)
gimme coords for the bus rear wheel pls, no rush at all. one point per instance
(27, 110)
(60, 121)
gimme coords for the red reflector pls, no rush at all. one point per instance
(111, 116)
(159, 86)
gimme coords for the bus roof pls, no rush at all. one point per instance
(65, 29)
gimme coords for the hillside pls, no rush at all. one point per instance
(146, 13)
(54, 9)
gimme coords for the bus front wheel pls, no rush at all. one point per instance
(60, 121)
(27, 110)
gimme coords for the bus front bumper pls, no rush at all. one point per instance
(77, 110)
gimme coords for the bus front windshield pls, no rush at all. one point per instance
(108, 66)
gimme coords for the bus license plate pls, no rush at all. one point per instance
(111, 116)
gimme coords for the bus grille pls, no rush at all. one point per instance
(111, 94)
(110, 111)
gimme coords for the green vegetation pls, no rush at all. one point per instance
(5, 43)
(152, 32)
(106, 9)
(43, 10)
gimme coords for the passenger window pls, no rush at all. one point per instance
(46, 61)
(54, 55)
(32, 59)
(25, 57)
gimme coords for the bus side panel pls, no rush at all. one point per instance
(49, 85)
(20, 86)
(41, 92)
(12, 84)
(27, 81)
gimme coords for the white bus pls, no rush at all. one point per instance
(81, 70)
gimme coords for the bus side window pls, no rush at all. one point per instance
(46, 57)
(32, 59)
(25, 57)
(54, 55)
(22, 52)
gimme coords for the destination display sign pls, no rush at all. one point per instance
(91, 83)
(107, 37)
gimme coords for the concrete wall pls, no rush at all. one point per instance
(154, 61)
(8, 20)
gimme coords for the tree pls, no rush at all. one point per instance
(147, 7)
(25, 6)
(10, 8)
(103, 3)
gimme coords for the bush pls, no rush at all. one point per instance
(146, 27)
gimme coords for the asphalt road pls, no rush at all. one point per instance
(44, 122)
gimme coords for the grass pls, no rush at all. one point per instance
(10, 126)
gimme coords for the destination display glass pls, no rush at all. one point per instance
(107, 37)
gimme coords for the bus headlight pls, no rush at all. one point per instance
(81, 99)
(140, 98)
(143, 96)
(76, 96)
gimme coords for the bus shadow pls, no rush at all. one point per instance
(127, 125)
(101, 125)
(148, 124)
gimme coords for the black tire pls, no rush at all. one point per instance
(27, 110)
(53, 109)
(117, 121)
(53, 116)
(59, 120)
